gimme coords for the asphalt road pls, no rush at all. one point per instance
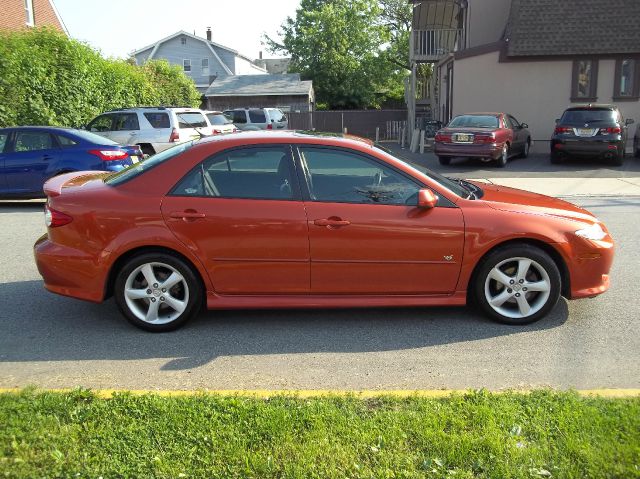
(52, 341)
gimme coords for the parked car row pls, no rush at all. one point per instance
(36, 154)
(594, 130)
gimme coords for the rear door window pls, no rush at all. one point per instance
(33, 141)
(244, 173)
(158, 120)
(126, 122)
(191, 120)
(257, 116)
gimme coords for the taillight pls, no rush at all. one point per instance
(175, 136)
(110, 155)
(611, 131)
(443, 137)
(561, 130)
(269, 126)
(484, 138)
(54, 218)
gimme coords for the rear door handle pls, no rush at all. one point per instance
(331, 222)
(186, 215)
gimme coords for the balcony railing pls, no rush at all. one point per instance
(431, 45)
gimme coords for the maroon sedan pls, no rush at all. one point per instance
(488, 136)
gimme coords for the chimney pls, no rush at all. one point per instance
(260, 56)
(209, 33)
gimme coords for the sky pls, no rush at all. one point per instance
(118, 27)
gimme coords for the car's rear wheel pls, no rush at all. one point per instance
(444, 160)
(525, 150)
(147, 150)
(504, 156)
(618, 158)
(518, 284)
(556, 158)
(157, 292)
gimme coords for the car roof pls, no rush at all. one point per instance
(593, 106)
(38, 127)
(478, 113)
(293, 136)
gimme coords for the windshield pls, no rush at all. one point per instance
(139, 168)
(451, 185)
(190, 120)
(218, 119)
(588, 116)
(474, 121)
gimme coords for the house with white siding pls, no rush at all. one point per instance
(200, 58)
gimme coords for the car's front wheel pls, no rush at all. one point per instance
(517, 284)
(157, 292)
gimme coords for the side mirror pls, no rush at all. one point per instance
(557, 120)
(427, 199)
(524, 125)
(629, 121)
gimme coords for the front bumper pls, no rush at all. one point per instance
(70, 272)
(590, 266)
(492, 151)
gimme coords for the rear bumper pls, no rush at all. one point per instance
(492, 151)
(587, 147)
(70, 272)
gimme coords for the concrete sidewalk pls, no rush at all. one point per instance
(572, 186)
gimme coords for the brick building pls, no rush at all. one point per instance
(18, 14)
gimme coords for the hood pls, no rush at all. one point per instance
(511, 199)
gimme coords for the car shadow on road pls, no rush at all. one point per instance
(40, 326)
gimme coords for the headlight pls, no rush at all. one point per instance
(593, 232)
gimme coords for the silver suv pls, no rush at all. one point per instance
(249, 119)
(153, 128)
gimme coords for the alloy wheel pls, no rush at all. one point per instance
(517, 287)
(156, 293)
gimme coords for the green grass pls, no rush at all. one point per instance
(475, 435)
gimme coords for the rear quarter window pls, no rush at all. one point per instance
(3, 140)
(158, 120)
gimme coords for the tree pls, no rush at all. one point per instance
(339, 45)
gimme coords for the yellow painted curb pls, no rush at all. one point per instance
(312, 393)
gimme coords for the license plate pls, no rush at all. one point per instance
(463, 138)
(134, 159)
(585, 131)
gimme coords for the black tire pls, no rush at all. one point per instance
(638, 153)
(525, 149)
(506, 260)
(618, 158)
(444, 160)
(555, 158)
(187, 292)
(504, 157)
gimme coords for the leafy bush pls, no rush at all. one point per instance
(48, 79)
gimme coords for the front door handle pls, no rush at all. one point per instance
(331, 222)
(187, 215)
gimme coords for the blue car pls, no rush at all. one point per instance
(30, 155)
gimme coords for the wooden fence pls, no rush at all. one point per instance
(357, 122)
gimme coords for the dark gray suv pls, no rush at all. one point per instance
(590, 130)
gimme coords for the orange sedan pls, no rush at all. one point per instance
(288, 220)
